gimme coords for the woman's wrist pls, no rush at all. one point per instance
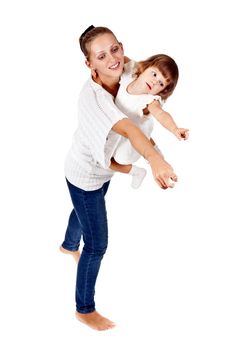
(154, 157)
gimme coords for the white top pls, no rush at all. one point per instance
(133, 106)
(87, 162)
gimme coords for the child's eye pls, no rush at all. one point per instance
(154, 74)
(161, 84)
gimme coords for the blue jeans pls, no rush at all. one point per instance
(88, 220)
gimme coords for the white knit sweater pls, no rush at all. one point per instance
(87, 162)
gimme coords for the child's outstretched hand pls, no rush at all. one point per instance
(181, 134)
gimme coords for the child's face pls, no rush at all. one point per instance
(152, 81)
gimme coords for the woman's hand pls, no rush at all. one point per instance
(163, 172)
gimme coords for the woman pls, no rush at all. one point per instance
(87, 170)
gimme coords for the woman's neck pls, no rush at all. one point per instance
(109, 85)
(112, 89)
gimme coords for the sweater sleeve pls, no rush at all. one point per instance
(98, 114)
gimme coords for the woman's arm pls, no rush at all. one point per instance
(166, 120)
(162, 171)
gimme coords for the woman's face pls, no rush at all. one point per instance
(106, 57)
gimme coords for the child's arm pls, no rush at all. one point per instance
(166, 120)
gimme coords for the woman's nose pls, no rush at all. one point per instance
(111, 55)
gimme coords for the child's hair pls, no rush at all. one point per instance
(89, 35)
(167, 66)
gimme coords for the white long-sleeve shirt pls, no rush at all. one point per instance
(88, 160)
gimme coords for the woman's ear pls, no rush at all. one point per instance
(88, 64)
(93, 71)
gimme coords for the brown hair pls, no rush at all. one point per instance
(89, 35)
(167, 67)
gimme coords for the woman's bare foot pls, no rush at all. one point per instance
(95, 321)
(75, 254)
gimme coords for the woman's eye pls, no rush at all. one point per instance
(101, 57)
(115, 49)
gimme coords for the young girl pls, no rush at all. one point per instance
(144, 87)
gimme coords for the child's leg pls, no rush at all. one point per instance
(120, 168)
(137, 173)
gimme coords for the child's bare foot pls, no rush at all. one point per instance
(75, 254)
(95, 321)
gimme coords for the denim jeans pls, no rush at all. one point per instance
(88, 220)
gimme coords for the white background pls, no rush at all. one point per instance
(166, 279)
